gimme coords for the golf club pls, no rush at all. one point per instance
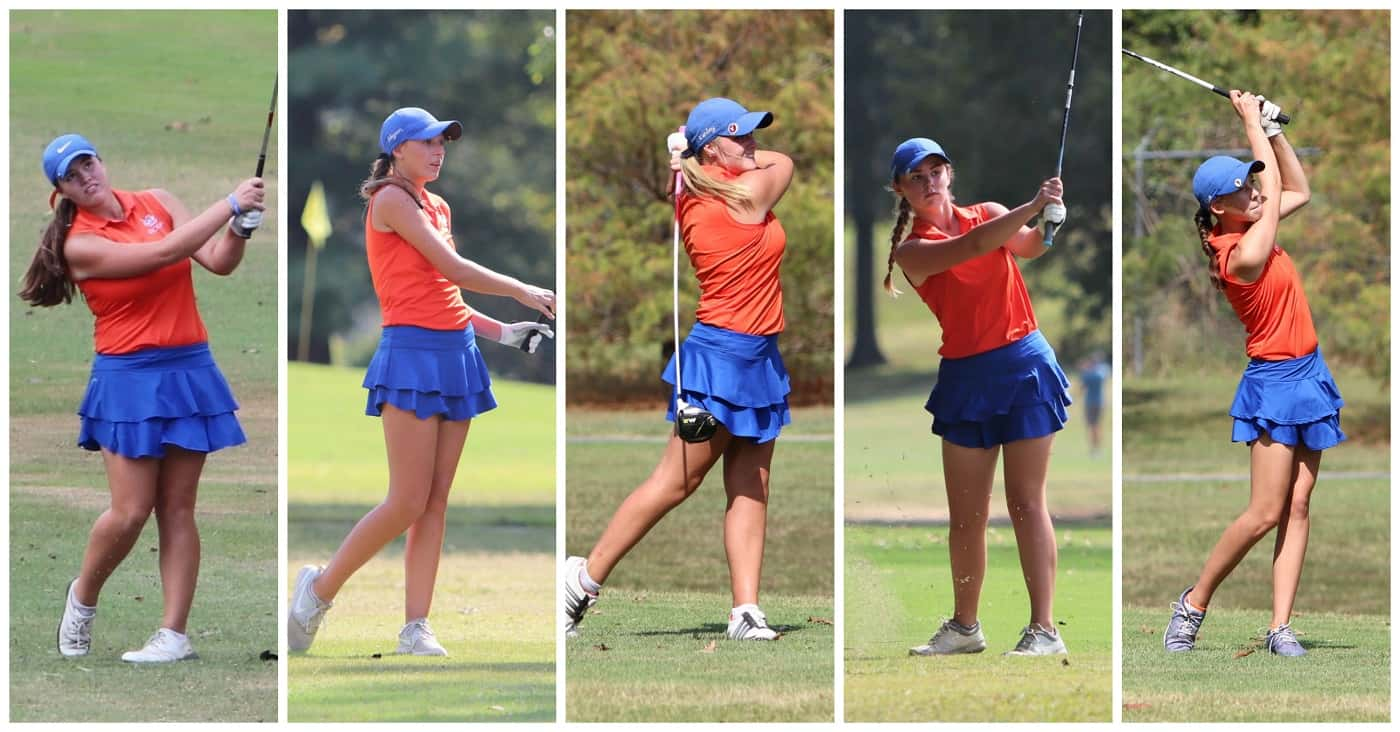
(1064, 128)
(693, 424)
(262, 154)
(1282, 118)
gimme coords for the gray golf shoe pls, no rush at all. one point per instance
(1282, 642)
(306, 611)
(1037, 640)
(1180, 635)
(952, 638)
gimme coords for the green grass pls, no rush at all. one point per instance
(494, 603)
(898, 590)
(1231, 678)
(63, 79)
(669, 597)
(1342, 613)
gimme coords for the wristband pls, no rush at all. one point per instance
(233, 204)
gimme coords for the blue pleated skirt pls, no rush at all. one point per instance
(137, 403)
(430, 373)
(737, 377)
(1295, 401)
(1015, 392)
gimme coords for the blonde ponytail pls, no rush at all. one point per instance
(701, 184)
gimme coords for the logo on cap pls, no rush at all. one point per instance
(1239, 183)
(64, 146)
(395, 134)
(733, 127)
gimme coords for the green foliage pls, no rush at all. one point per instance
(633, 77)
(999, 115)
(494, 71)
(1330, 71)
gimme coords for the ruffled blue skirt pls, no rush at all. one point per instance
(1015, 392)
(1295, 401)
(429, 372)
(137, 403)
(737, 377)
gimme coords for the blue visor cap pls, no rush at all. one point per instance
(1221, 176)
(911, 152)
(62, 152)
(720, 117)
(414, 123)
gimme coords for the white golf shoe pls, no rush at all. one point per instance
(165, 646)
(417, 639)
(953, 638)
(747, 622)
(574, 601)
(1037, 640)
(306, 611)
(75, 629)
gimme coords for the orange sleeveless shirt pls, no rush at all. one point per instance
(737, 264)
(981, 304)
(1274, 310)
(153, 310)
(410, 289)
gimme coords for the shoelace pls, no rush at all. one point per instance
(422, 627)
(1191, 623)
(944, 628)
(1284, 634)
(79, 630)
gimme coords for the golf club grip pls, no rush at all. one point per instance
(1282, 118)
(261, 159)
(1049, 234)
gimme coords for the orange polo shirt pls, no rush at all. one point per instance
(411, 291)
(737, 264)
(981, 304)
(153, 310)
(1274, 310)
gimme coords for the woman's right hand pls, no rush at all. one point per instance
(1247, 107)
(249, 195)
(537, 298)
(1051, 191)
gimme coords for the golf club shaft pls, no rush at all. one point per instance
(267, 132)
(676, 281)
(1064, 127)
(1282, 118)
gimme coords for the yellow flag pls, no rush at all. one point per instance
(314, 218)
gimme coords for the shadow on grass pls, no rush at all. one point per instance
(1088, 521)
(318, 528)
(884, 382)
(709, 629)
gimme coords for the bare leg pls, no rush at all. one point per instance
(179, 537)
(423, 549)
(968, 473)
(746, 468)
(1270, 474)
(1025, 463)
(412, 445)
(1291, 543)
(682, 468)
(132, 482)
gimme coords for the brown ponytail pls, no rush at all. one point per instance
(896, 237)
(1203, 228)
(381, 173)
(46, 283)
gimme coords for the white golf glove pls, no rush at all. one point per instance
(1268, 118)
(1054, 213)
(676, 144)
(525, 336)
(244, 224)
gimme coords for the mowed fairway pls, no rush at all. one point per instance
(654, 649)
(494, 604)
(1342, 613)
(168, 104)
(898, 591)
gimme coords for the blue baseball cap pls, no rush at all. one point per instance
(1222, 175)
(62, 152)
(720, 117)
(911, 152)
(414, 123)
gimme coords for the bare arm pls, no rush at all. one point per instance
(768, 182)
(394, 209)
(221, 254)
(1296, 192)
(1247, 262)
(1026, 243)
(923, 258)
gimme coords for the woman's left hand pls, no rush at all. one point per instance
(537, 298)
